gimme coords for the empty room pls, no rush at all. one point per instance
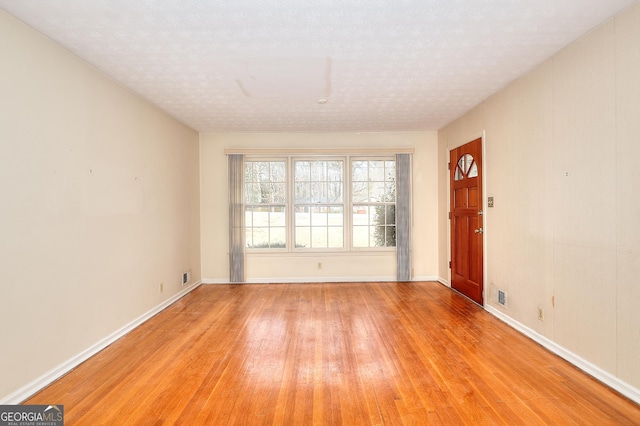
(320, 212)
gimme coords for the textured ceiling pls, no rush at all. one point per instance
(264, 65)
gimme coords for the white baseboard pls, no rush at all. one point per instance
(215, 281)
(49, 377)
(273, 280)
(429, 278)
(589, 368)
(443, 282)
(322, 280)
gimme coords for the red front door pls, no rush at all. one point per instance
(466, 220)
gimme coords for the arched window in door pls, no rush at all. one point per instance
(466, 168)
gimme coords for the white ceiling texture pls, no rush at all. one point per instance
(314, 65)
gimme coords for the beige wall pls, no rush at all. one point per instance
(100, 204)
(561, 151)
(214, 217)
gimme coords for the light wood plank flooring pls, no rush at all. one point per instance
(335, 353)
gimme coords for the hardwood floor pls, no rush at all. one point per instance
(352, 353)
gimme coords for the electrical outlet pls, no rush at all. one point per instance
(540, 313)
(319, 265)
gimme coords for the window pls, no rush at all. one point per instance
(319, 203)
(466, 167)
(265, 194)
(373, 199)
(297, 203)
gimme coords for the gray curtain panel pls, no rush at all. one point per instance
(236, 218)
(403, 216)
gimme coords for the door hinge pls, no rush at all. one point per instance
(449, 215)
(448, 166)
(449, 264)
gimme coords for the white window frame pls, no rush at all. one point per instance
(347, 202)
(269, 205)
(370, 204)
(294, 204)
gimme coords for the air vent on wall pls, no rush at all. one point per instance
(499, 296)
(502, 298)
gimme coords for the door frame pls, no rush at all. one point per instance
(451, 145)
